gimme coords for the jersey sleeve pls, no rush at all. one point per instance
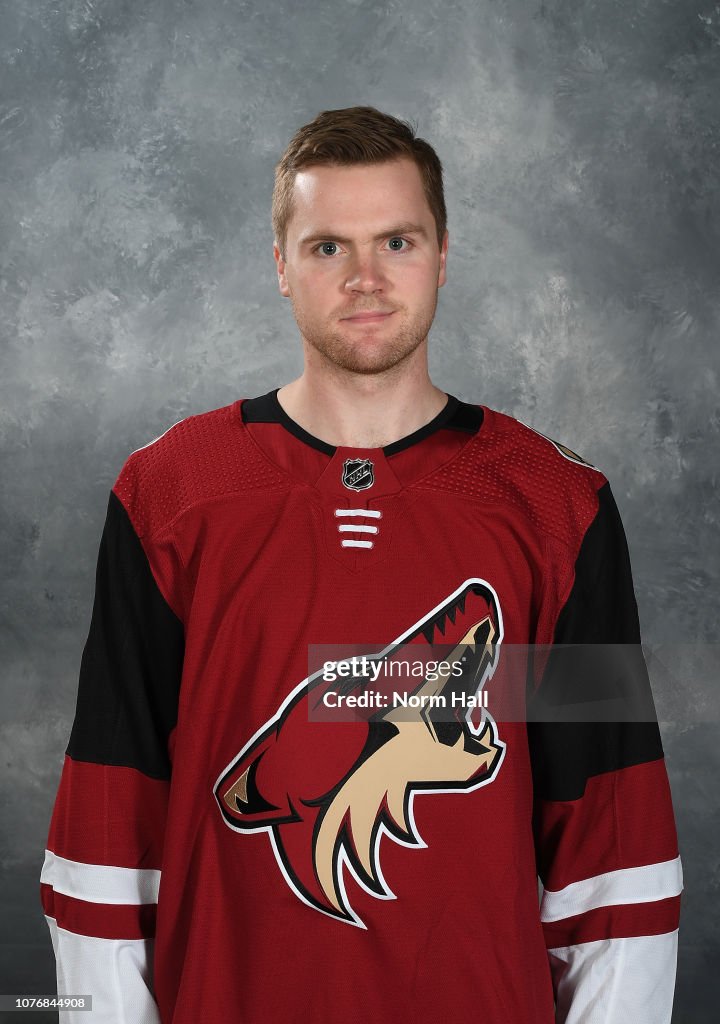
(102, 870)
(603, 822)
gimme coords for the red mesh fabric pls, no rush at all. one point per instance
(199, 458)
(509, 464)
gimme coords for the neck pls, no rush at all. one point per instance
(361, 410)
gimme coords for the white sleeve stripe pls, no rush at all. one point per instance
(628, 885)
(100, 883)
(116, 972)
(613, 981)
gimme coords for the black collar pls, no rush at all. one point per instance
(455, 415)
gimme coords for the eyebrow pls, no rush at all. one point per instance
(399, 229)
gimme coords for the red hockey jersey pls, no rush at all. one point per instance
(220, 852)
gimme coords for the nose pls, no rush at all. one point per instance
(365, 273)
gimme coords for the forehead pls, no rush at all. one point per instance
(367, 193)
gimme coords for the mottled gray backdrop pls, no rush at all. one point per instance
(581, 145)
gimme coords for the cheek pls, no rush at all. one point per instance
(315, 285)
(312, 278)
(419, 280)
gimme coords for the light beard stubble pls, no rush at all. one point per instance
(356, 357)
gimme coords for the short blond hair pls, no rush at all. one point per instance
(355, 135)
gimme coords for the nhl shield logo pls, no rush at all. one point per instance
(358, 474)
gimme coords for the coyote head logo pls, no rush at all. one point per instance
(326, 794)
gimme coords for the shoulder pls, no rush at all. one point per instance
(560, 485)
(510, 463)
(541, 445)
(538, 455)
(202, 456)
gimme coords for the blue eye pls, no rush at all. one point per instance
(323, 248)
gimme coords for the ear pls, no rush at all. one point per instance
(240, 799)
(442, 276)
(282, 277)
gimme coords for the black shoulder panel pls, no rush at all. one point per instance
(606, 671)
(131, 664)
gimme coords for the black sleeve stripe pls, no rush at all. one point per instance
(131, 664)
(601, 610)
(601, 607)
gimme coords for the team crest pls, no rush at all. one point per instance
(567, 453)
(328, 794)
(358, 474)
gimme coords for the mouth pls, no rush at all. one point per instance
(367, 318)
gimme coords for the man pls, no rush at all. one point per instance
(226, 845)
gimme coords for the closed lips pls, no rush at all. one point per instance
(368, 316)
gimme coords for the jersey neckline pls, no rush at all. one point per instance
(267, 409)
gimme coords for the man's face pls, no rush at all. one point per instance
(362, 239)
